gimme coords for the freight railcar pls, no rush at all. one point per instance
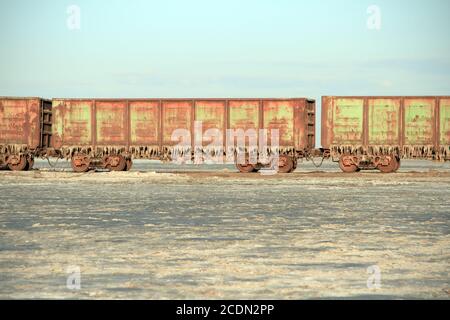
(357, 132)
(109, 133)
(377, 132)
(25, 131)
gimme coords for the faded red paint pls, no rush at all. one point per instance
(72, 123)
(280, 115)
(243, 114)
(384, 121)
(20, 121)
(144, 123)
(176, 115)
(111, 123)
(212, 115)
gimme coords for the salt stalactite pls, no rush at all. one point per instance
(168, 152)
(427, 152)
(349, 149)
(14, 149)
(110, 150)
(68, 152)
(444, 153)
(99, 152)
(211, 152)
(178, 152)
(145, 152)
(382, 150)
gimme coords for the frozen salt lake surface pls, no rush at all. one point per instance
(206, 232)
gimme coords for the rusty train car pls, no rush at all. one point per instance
(25, 131)
(109, 133)
(377, 132)
(358, 132)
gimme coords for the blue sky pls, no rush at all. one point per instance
(224, 48)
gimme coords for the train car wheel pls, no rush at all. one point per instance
(346, 164)
(116, 163)
(285, 164)
(17, 163)
(245, 168)
(80, 163)
(391, 167)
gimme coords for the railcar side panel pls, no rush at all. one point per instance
(347, 115)
(72, 123)
(111, 123)
(444, 123)
(384, 121)
(211, 114)
(20, 122)
(244, 115)
(419, 121)
(144, 122)
(176, 115)
(280, 115)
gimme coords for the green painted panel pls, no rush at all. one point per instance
(348, 121)
(176, 115)
(72, 122)
(419, 121)
(244, 114)
(144, 122)
(384, 121)
(280, 115)
(110, 117)
(211, 114)
(444, 122)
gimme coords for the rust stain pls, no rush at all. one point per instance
(176, 115)
(419, 121)
(144, 119)
(72, 123)
(20, 122)
(384, 121)
(348, 121)
(280, 115)
(212, 116)
(444, 123)
(111, 123)
(244, 115)
(410, 127)
(144, 127)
